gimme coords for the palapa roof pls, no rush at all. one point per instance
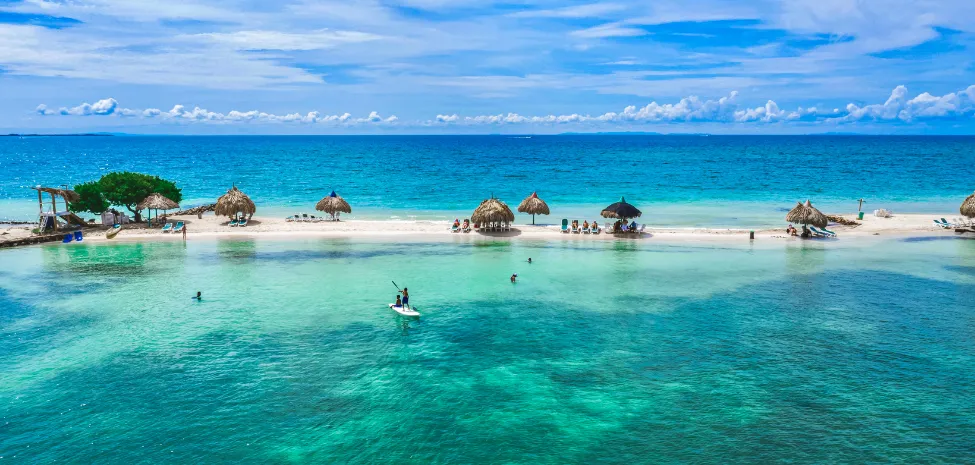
(157, 201)
(621, 209)
(533, 205)
(332, 204)
(492, 211)
(234, 202)
(68, 194)
(968, 207)
(807, 214)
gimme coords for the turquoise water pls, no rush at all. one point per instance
(604, 351)
(676, 180)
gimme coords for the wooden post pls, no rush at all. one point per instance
(751, 235)
(40, 210)
(860, 208)
(54, 210)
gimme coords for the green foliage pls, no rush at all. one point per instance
(91, 199)
(124, 189)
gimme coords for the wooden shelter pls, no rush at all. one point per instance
(968, 207)
(806, 214)
(234, 203)
(493, 214)
(333, 204)
(534, 206)
(156, 201)
(48, 219)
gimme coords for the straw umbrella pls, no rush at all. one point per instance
(233, 203)
(534, 205)
(156, 201)
(968, 207)
(492, 211)
(333, 204)
(806, 214)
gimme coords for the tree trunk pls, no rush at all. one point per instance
(136, 213)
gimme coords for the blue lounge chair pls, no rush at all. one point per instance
(950, 224)
(242, 222)
(68, 238)
(594, 229)
(940, 224)
(831, 233)
(565, 225)
(78, 237)
(466, 227)
(167, 227)
(575, 227)
(819, 232)
(233, 222)
(178, 227)
(454, 228)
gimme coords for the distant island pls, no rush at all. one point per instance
(57, 135)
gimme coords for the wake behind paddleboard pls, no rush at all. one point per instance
(403, 310)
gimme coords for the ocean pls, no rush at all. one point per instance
(602, 352)
(609, 351)
(678, 181)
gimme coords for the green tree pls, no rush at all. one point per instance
(124, 189)
(91, 199)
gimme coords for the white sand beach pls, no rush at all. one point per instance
(211, 226)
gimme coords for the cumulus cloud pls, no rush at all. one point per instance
(897, 108)
(181, 113)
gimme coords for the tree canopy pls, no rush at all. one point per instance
(125, 189)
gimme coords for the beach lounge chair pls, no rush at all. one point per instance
(304, 217)
(167, 227)
(831, 233)
(477, 227)
(242, 222)
(466, 227)
(575, 227)
(594, 228)
(233, 222)
(819, 232)
(178, 227)
(642, 228)
(565, 225)
(78, 237)
(950, 224)
(67, 238)
(454, 227)
(943, 225)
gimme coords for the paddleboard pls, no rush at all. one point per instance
(403, 310)
(114, 231)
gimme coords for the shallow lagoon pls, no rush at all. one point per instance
(615, 351)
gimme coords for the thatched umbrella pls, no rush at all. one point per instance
(806, 214)
(621, 210)
(534, 205)
(233, 203)
(492, 211)
(333, 204)
(156, 201)
(968, 207)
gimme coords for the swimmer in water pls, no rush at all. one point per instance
(529, 259)
(199, 296)
(514, 277)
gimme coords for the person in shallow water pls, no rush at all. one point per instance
(406, 297)
(399, 303)
(199, 296)
(514, 277)
(529, 259)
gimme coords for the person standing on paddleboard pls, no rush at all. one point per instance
(406, 297)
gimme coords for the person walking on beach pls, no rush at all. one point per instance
(184, 233)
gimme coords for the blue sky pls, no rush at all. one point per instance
(480, 66)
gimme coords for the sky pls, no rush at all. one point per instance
(484, 66)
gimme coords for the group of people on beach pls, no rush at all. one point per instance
(791, 230)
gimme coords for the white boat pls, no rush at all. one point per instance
(403, 310)
(114, 231)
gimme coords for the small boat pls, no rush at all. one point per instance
(403, 310)
(114, 231)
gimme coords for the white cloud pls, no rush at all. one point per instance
(274, 40)
(609, 30)
(726, 110)
(102, 107)
(180, 113)
(591, 10)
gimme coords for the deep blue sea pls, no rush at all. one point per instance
(676, 180)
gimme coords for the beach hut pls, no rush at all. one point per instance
(156, 201)
(493, 214)
(48, 219)
(806, 214)
(333, 204)
(234, 203)
(533, 205)
(968, 207)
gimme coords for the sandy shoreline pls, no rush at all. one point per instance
(213, 227)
